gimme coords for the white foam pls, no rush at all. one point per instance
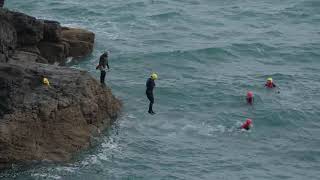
(45, 175)
(108, 148)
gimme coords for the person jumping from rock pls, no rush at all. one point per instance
(149, 92)
(103, 63)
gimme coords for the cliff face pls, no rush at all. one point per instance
(45, 38)
(40, 122)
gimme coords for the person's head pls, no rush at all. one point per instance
(269, 80)
(105, 54)
(45, 81)
(248, 121)
(249, 94)
(154, 76)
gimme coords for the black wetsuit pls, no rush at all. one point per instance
(104, 60)
(270, 86)
(149, 92)
(103, 63)
(250, 100)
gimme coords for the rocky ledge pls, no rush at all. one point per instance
(41, 122)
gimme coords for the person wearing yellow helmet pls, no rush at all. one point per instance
(46, 81)
(149, 91)
(269, 83)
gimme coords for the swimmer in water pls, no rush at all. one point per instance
(250, 97)
(270, 83)
(247, 125)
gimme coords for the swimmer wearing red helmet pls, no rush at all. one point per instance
(247, 125)
(270, 83)
(250, 97)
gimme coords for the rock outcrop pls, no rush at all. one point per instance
(43, 37)
(40, 122)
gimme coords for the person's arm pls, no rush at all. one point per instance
(107, 63)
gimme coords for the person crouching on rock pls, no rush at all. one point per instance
(149, 92)
(103, 63)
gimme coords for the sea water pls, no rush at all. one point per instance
(208, 54)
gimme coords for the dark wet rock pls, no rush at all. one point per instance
(43, 37)
(29, 29)
(27, 57)
(31, 49)
(52, 31)
(8, 39)
(54, 52)
(1, 3)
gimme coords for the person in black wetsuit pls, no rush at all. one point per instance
(103, 64)
(270, 83)
(149, 91)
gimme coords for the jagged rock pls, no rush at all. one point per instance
(43, 37)
(8, 39)
(27, 57)
(29, 29)
(52, 31)
(31, 49)
(80, 41)
(54, 52)
(40, 122)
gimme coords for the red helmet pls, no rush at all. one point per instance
(248, 121)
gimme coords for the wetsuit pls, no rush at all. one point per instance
(103, 63)
(149, 92)
(250, 100)
(270, 85)
(246, 127)
(104, 60)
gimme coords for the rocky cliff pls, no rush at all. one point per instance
(41, 122)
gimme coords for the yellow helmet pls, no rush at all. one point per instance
(269, 79)
(46, 81)
(154, 76)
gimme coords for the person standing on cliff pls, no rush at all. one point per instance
(1, 3)
(103, 64)
(149, 92)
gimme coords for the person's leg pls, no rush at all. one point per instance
(102, 76)
(150, 107)
(151, 99)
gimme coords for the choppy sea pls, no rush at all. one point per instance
(208, 54)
